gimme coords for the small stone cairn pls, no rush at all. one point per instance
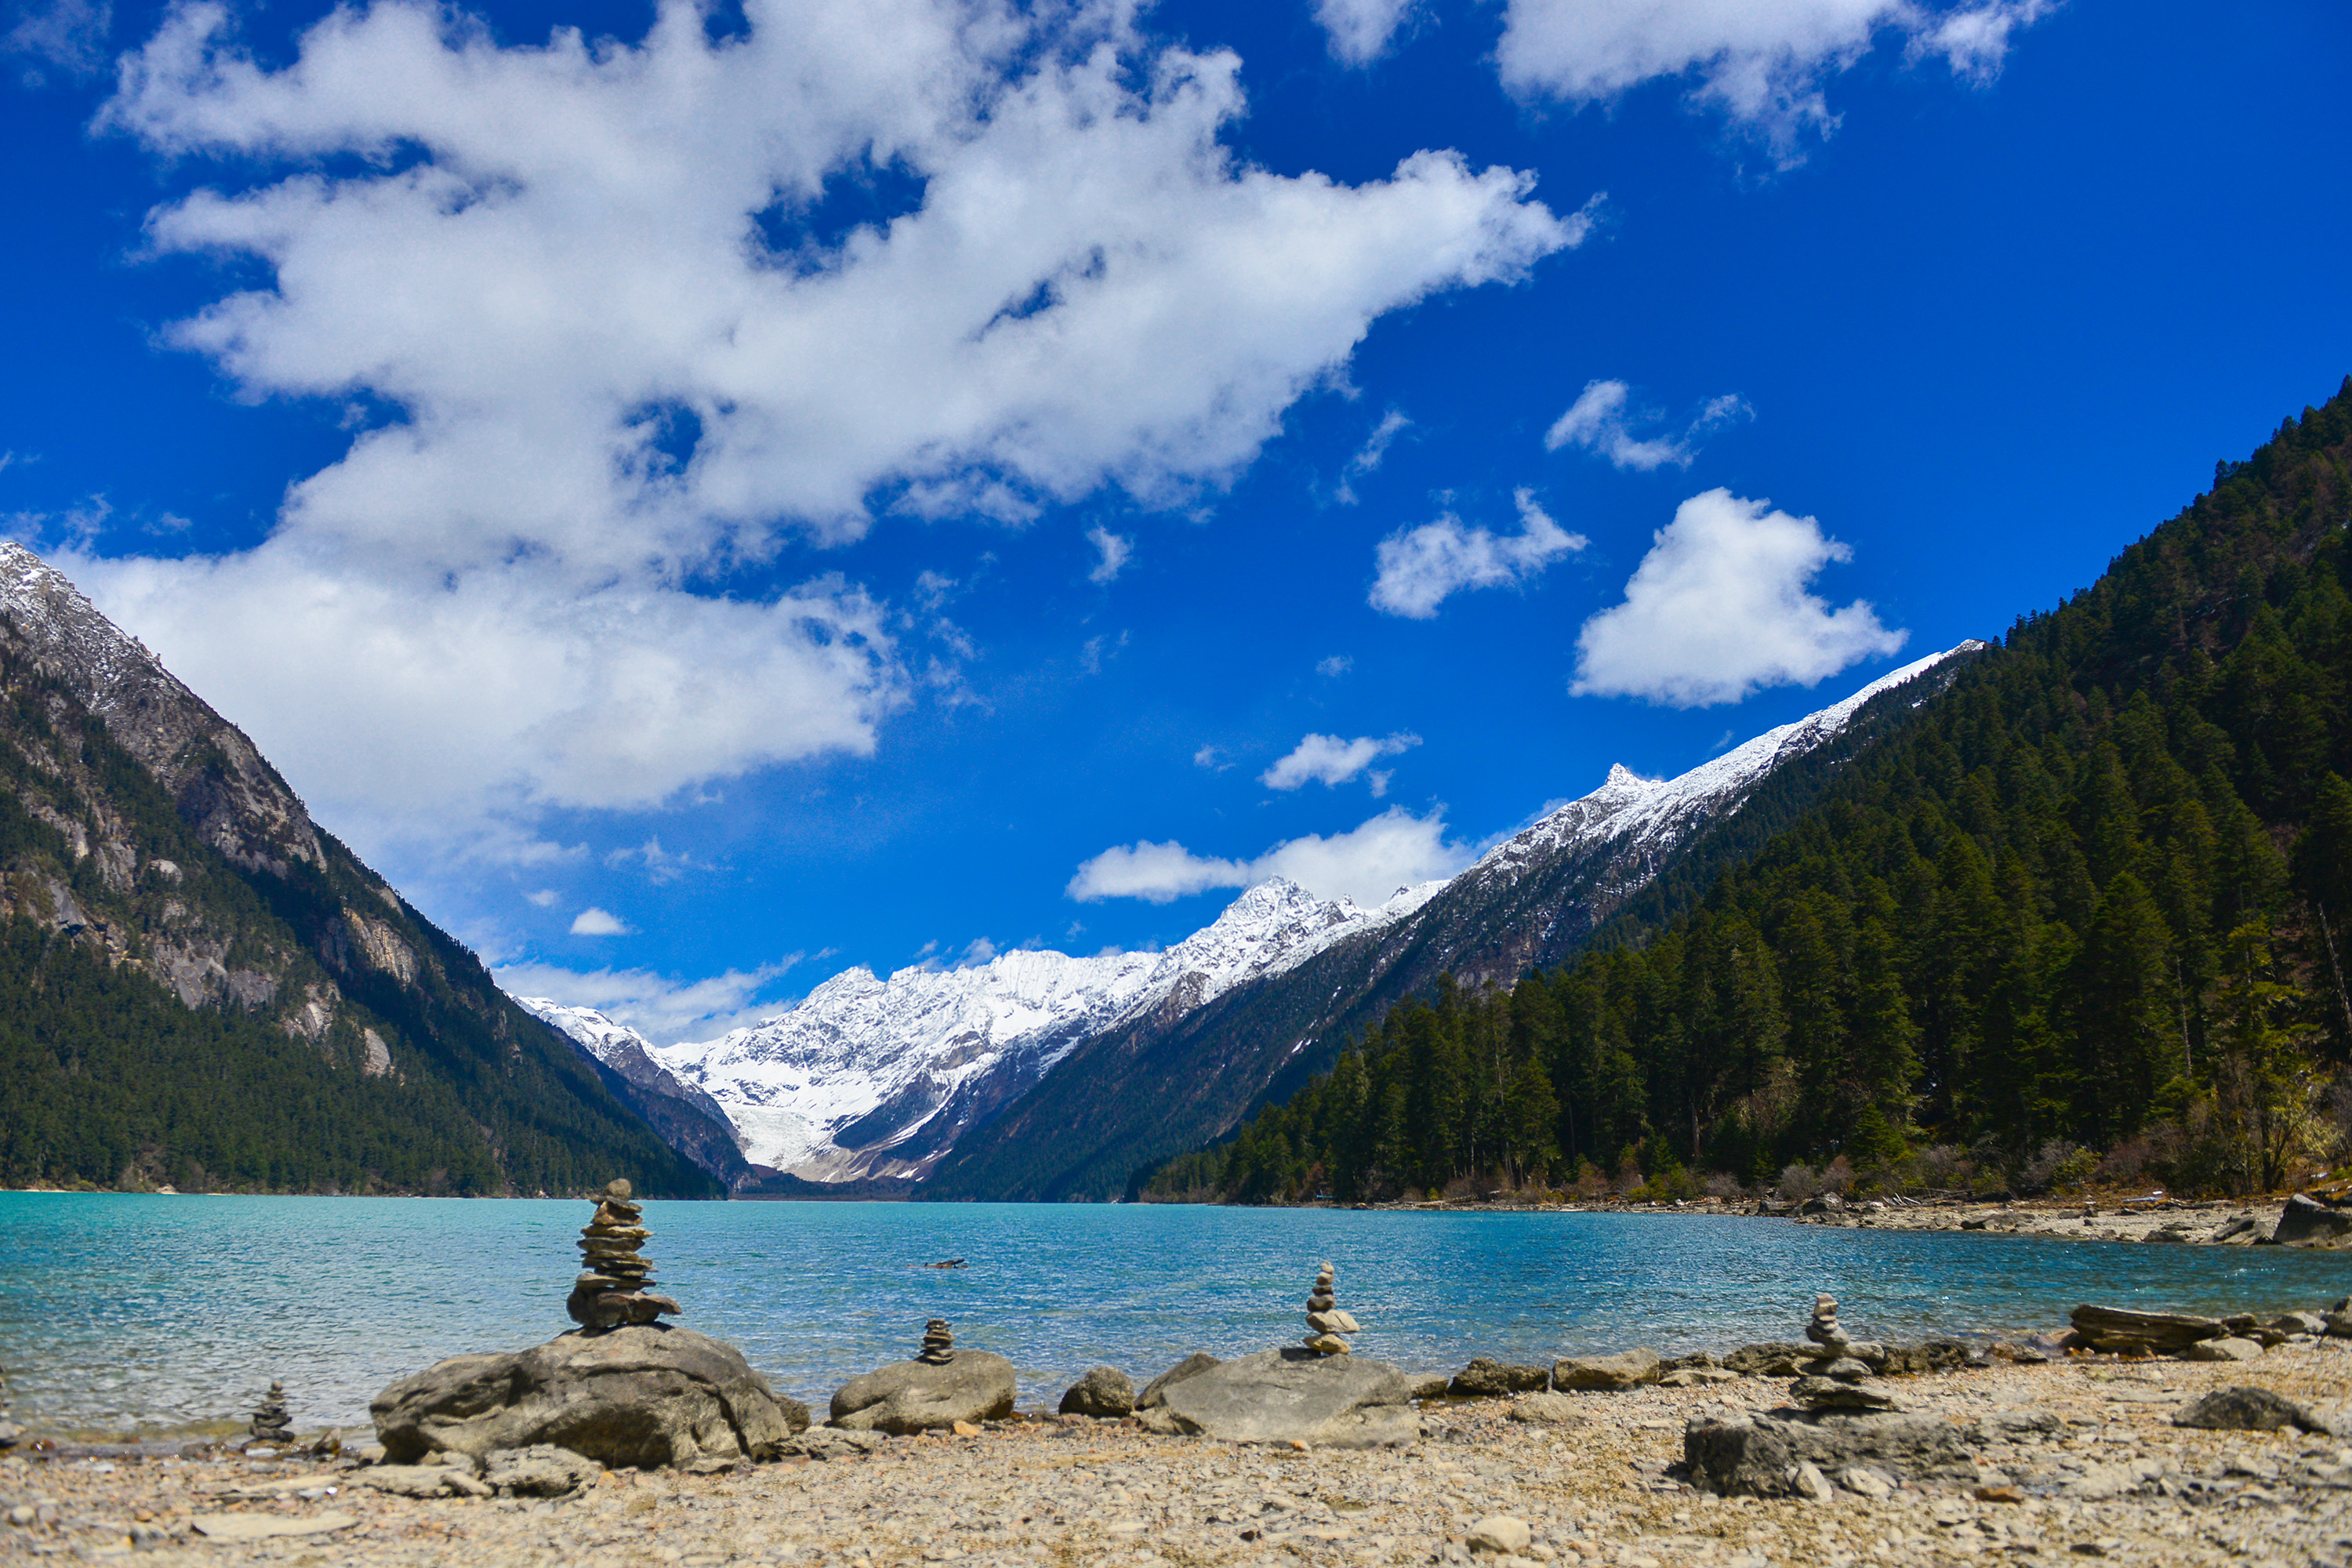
(1840, 1380)
(939, 1343)
(614, 1289)
(1325, 1321)
(270, 1423)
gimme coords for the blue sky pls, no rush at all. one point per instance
(702, 502)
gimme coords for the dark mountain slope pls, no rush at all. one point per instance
(2089, 905)
(1170, 1080)
(200, 986)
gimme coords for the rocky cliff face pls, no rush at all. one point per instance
(147, 833)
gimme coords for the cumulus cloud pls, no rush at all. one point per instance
(594, 921)
(1368, 864)
(1600, 421)
(1720, 607)
(606, 358)
(1112, 552)
(1360, 31)
(1330, 761)
(663, 1008)
(1764, 64)
(1420, 567)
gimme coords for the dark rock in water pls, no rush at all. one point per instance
(642, 1395)
(2307, 1221)
(2121, 1329)
(1761, 1457)
(540, 1470)
(1485, 1378)
(1192, 1365)
(1102, 1391)
(1295, 1396)
(2246, 1410)
(910, 1396)
(1606, 1374)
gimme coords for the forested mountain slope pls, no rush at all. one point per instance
(2086, 911)
(1170, 1077)
(200, 988)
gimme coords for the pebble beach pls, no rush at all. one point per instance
(2110, 1479)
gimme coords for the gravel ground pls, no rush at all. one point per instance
(2119, 1482)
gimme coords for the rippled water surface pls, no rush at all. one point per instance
(119, 1313)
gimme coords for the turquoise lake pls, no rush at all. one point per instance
(124, 1313)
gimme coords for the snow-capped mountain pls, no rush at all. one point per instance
(868, 1076)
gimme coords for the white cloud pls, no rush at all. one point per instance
(1212, 757)
(1719, 608)
(66, 35)
(1369, 864)
(1762, 63)
(1360, 31)
(1113, 551)
(1338, 664)
(545, 898)
(1330, 761)
(663, 1009)
(594, 921)
(1599, 421)
(1420, 567)
(1368, 456)
(621, 368)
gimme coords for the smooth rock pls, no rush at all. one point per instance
(2232, 1349)
(1805, 1480)
(2307, 1221)
(910, 1396)
(261, 1526)
(644, 1394)
(1192, 1365)
(1548, 1409)
(1328, 1345)
(2120, 1328)
(1297, 1396)
(1102, 1391)
(2246, 1410)
(1607, 1374)
(1863, 1481)
(1759, 1456)
(1844, 1366)
(1501, 1533)
(1486, 1378)
(540, 1470)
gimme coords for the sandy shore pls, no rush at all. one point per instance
(2114, 1480)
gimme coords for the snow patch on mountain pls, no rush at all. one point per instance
(868, 1077)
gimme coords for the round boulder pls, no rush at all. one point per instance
(910, 1396)
(641, 1395)
(1102, 1391)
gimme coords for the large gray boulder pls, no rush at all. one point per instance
(2307, 1221)
(910, 1396)
(1767, 1457)
(1155, 1392)
(646, 1395)
(1104, 1391)
(1294, 1395)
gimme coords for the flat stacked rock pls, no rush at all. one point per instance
(270, 1423)
(1840, 1377)
(939, 1343)
(614, 1288)
(1325, 1321)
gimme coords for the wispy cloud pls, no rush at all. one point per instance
(1330, 761)
(1112, 552)
(1369, 455)
(1419, 568)
(1600, 421)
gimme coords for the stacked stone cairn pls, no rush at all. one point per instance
(1840, 1378)
(1325, 1321)
(614, 1291)
(270, 1423)
(939, 1343)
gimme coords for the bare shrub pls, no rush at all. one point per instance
(1725, 1185)
(1800, 1182)
(1838, 1176)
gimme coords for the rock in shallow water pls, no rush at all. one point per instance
(1102, 1391)
(642, 1395)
